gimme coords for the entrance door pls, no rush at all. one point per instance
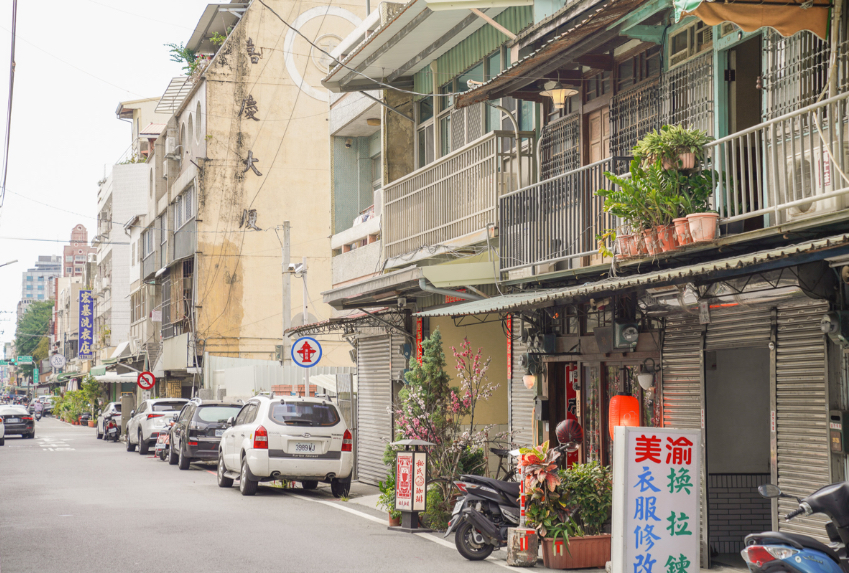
(599, 134)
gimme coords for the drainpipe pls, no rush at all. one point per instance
(464, 295)
(518, 142)
(835, 44)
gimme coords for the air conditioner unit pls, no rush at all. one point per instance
(170, 145)
(810, 173)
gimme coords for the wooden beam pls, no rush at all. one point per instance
(493, 23)
(596, 61)
(531, 96)
(565, 76)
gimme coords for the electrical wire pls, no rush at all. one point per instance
(9, 106)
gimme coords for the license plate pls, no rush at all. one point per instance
(219, 433)
(302, 448)
(160, 445)
(12, 420)
(457, 507)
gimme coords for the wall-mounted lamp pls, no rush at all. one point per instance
(558, 93)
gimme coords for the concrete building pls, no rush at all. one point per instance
(36, 282)
(75, 254)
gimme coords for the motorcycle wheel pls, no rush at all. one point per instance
(466, 544)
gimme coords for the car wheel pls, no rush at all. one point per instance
(143, 449)
(466, 545)
(31, 436)
(246, 485)
(2, 441)
(340, 488)
(131, 447)
(183, 461)
(172, 457)
(223, 481)
(309, 484)
(97, 432)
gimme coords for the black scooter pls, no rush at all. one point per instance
(111, 428)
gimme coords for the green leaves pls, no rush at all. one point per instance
(182, 55)
(670, 142)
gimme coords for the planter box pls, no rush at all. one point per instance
(592, 551)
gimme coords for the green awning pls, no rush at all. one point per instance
(786, 17)
(109, 361)
(98, 371)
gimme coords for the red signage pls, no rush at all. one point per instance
(419, 338)
(509, 324)
(146, 380)
(449, 299)
(404, 481)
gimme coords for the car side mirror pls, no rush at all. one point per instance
(132, 413)
(230, 421)
(175, 417)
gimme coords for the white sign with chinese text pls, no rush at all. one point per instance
(404, 481)
(656, 512)
(419, 481)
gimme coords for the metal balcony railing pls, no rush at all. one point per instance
(781, 169)
(455, 196)
(556, 219)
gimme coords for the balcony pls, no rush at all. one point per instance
(451, 202)
(783, 171)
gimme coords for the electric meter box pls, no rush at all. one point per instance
(541, 409)
(838, 431)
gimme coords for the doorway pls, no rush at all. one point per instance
(737, 399)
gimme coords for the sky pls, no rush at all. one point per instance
(75, 61)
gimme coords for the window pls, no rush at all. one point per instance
(304, 414)
(424, 133)
(41, 297)
(376, 171)
(163, 229)
(526, 115)
(69, 269)
(40, 287)
(80, 257)
(29, 277)
(168, 406)
(29, 287)
(69, 259)
(189, 204)
(493, 65)
(79, 269)
(218, 414)
(41, 278)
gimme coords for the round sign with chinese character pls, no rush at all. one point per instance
(57, 361)
(146, 380)
(306, 352)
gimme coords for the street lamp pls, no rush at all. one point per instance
(9, 263)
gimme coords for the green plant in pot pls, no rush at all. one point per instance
(386, 501)
(676, 147)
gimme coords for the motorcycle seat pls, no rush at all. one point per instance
(793, 539)
(509, 488)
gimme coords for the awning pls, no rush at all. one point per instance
(98, 371)
(121, 351)
(378, 318)
(371, 292)
(722, 268)
(787, 17)
(113, 378)
(328, 381)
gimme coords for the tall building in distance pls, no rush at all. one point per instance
(37, 282)
(76, 253)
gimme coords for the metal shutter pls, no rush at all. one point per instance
(374, 396)
(521, 399)
(681, 394)
(801, 403)
(739, 327)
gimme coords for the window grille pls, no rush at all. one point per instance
(178, 212)
(560, 149)
(688, 94)
(633, 113)
(794, 71)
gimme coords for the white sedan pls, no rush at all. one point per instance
(149, 420)
(291, 438)
(2, 433)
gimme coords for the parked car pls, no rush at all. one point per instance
(17, 420)
(197, 431)
(150, 418)
(291, 438)
(108, 410)
(2, 432)
(48, 404)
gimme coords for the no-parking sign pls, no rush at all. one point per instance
(306, 352)
(146, 380)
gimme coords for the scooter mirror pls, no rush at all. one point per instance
(769, 490)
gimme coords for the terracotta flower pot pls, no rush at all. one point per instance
(666, 238)
(639, 245)
(682, 231)
(394, 521)
(91, 423)
(626, 245)
(703, 226)
(683, 162)
(650, 240)
(592, 551)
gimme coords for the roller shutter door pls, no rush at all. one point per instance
(801, 402)
(374, 396)
(521, 399)
(739, 327)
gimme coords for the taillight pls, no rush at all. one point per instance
(461, 486)
(26, 418)
(261, 439)
(149, 416)
(757, 554)
(195, 443)
(347, 441)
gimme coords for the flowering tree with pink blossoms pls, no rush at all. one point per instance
(430, 409)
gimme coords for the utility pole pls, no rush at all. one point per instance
(305, 315)
(287, 295)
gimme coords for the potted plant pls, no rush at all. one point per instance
(386, 500)
(676, 147)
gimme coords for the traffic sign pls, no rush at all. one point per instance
(146, 380)
(24, 359)
(306, 352)
(57, 361)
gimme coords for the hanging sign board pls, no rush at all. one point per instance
(404, 481)
(656, 512)
(86, 326)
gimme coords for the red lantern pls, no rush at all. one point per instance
(624, 411)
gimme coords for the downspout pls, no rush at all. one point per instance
(518, 141)
(423, 286)
(835, 45)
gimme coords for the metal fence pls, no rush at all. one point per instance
(781, 169)
(560, 146)
(455, 196)
(556, 219)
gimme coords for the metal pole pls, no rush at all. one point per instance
(305, 315)
(287, 295)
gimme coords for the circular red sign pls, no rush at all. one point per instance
(146, 380)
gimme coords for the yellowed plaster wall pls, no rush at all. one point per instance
(240, 270)
(489, 337)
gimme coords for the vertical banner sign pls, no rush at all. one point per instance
(509, 324)
(419, 481)
(419, 338)
(86, 329)
(35, 375)
(404, 481)
(656, 499)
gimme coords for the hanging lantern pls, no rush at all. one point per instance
(529, 380)
(624, 411)
(558, 94)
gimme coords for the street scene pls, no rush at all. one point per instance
(425, 285)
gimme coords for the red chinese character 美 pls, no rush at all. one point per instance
(648, 449)
(680, 451)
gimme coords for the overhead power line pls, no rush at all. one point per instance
(9, 106)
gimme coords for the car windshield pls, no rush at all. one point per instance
(167, 406)
(13, 410)
(116, 407)
(217, 413)
(304, 414)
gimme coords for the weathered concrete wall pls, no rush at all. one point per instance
(398, 157)
(361, 262)
(238, 270)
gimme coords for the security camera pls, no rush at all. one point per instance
(292, 267)
(402, 302)
(348, 143)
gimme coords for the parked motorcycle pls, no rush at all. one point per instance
(163, 442)
(111, 428)
(773, 551)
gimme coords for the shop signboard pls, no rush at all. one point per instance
(419, 339)
(86, 326)
(656, 512)
(404, 481)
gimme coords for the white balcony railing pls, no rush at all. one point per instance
(455, 196)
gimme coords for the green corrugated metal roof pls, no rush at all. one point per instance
(98, 371)
(475, 48)
(531, 299)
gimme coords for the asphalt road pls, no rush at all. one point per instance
(72, 503)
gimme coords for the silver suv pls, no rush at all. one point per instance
(151, 418)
